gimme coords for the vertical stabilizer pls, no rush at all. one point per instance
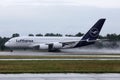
(92, 34)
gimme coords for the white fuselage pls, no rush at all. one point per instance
(29, 42)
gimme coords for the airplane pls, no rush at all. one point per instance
(56, 43)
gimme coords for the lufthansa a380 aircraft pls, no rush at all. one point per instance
(56, 43)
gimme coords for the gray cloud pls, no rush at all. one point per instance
(24, 19)
(95, 3)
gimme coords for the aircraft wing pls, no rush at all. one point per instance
(54, 45)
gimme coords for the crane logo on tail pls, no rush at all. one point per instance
(94, 32)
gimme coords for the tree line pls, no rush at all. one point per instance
(51, 34)
(111, 39)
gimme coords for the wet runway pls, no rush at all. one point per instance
(68, 76)
(56, 59)
(63, 52)
(81, 54)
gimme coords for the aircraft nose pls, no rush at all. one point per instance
(7, 44)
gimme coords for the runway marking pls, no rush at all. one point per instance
(52, 59)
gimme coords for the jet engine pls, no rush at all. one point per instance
(40, 46)
(43, 46)
(57, 45)
(50, 47)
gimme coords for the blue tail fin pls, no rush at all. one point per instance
(92, 34)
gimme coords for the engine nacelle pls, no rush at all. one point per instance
(43, 46)
(57, 45)
(48, 46)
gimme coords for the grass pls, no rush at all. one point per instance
(78, 66)
(60, 57)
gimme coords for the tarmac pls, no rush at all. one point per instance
(88, 54)
(56, 76)
(72, 52)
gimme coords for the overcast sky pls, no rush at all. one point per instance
(57, 16)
